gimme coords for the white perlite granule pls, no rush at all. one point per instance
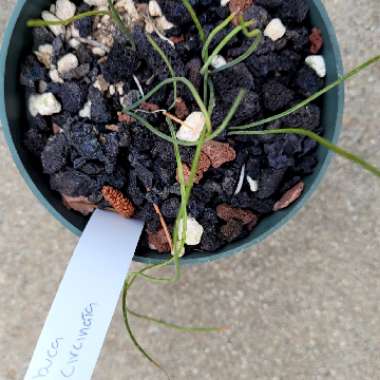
(194, 231)
(192, 127)
(154, 9)
(317, 63)
(44, 105)
(67, 63)
(65, 9)
(45, 54)
(218, 61)
(85, 112)
(275, 29)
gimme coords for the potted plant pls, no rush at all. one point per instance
(213, 121)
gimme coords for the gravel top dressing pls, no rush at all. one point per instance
(91, 126)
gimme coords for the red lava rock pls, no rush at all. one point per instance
(150, 107)
(158, 241)
(316, 41)
(123, 118)
(289, 197)
(80, 204)
(219, 153)
(227, 212)
(204, 165)
(239, 6)
(204, 162)
(181, 110)
(177, 39)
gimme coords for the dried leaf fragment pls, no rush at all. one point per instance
(116, 199)
(289, 197)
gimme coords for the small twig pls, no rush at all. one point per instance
(176, 119)
(164, 225)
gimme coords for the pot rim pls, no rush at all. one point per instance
(206, 257)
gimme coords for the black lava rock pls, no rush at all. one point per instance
(210, 241)
(263, 65)
(120, 64)
(100, 111)
(32, 71)
(257, 14)
(41, 36)
(135, 194)
(293, 11)
(110, 151)
(269, 182)
(308, 117)
(72, 95)
(299, 38)
(54, 155)
(169, 208)
(276, 95)
(84, 25)
(175, 11)
(269, 3)
(73, 183)
(83, 138)
(228, 82)
(35, 141)
(308, 82)
(249, 108)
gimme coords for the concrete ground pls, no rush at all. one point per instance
(302, 305)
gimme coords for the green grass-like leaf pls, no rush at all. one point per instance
(222, 44)
(165, 58)
(322, 141)
(257, 35)
(166, 82)
(170, 325)
(37, 23)
(195, 18)
(313, 97)
(213, 34)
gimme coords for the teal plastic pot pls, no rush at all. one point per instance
(17, 43)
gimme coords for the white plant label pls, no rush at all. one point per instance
(78, 321)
